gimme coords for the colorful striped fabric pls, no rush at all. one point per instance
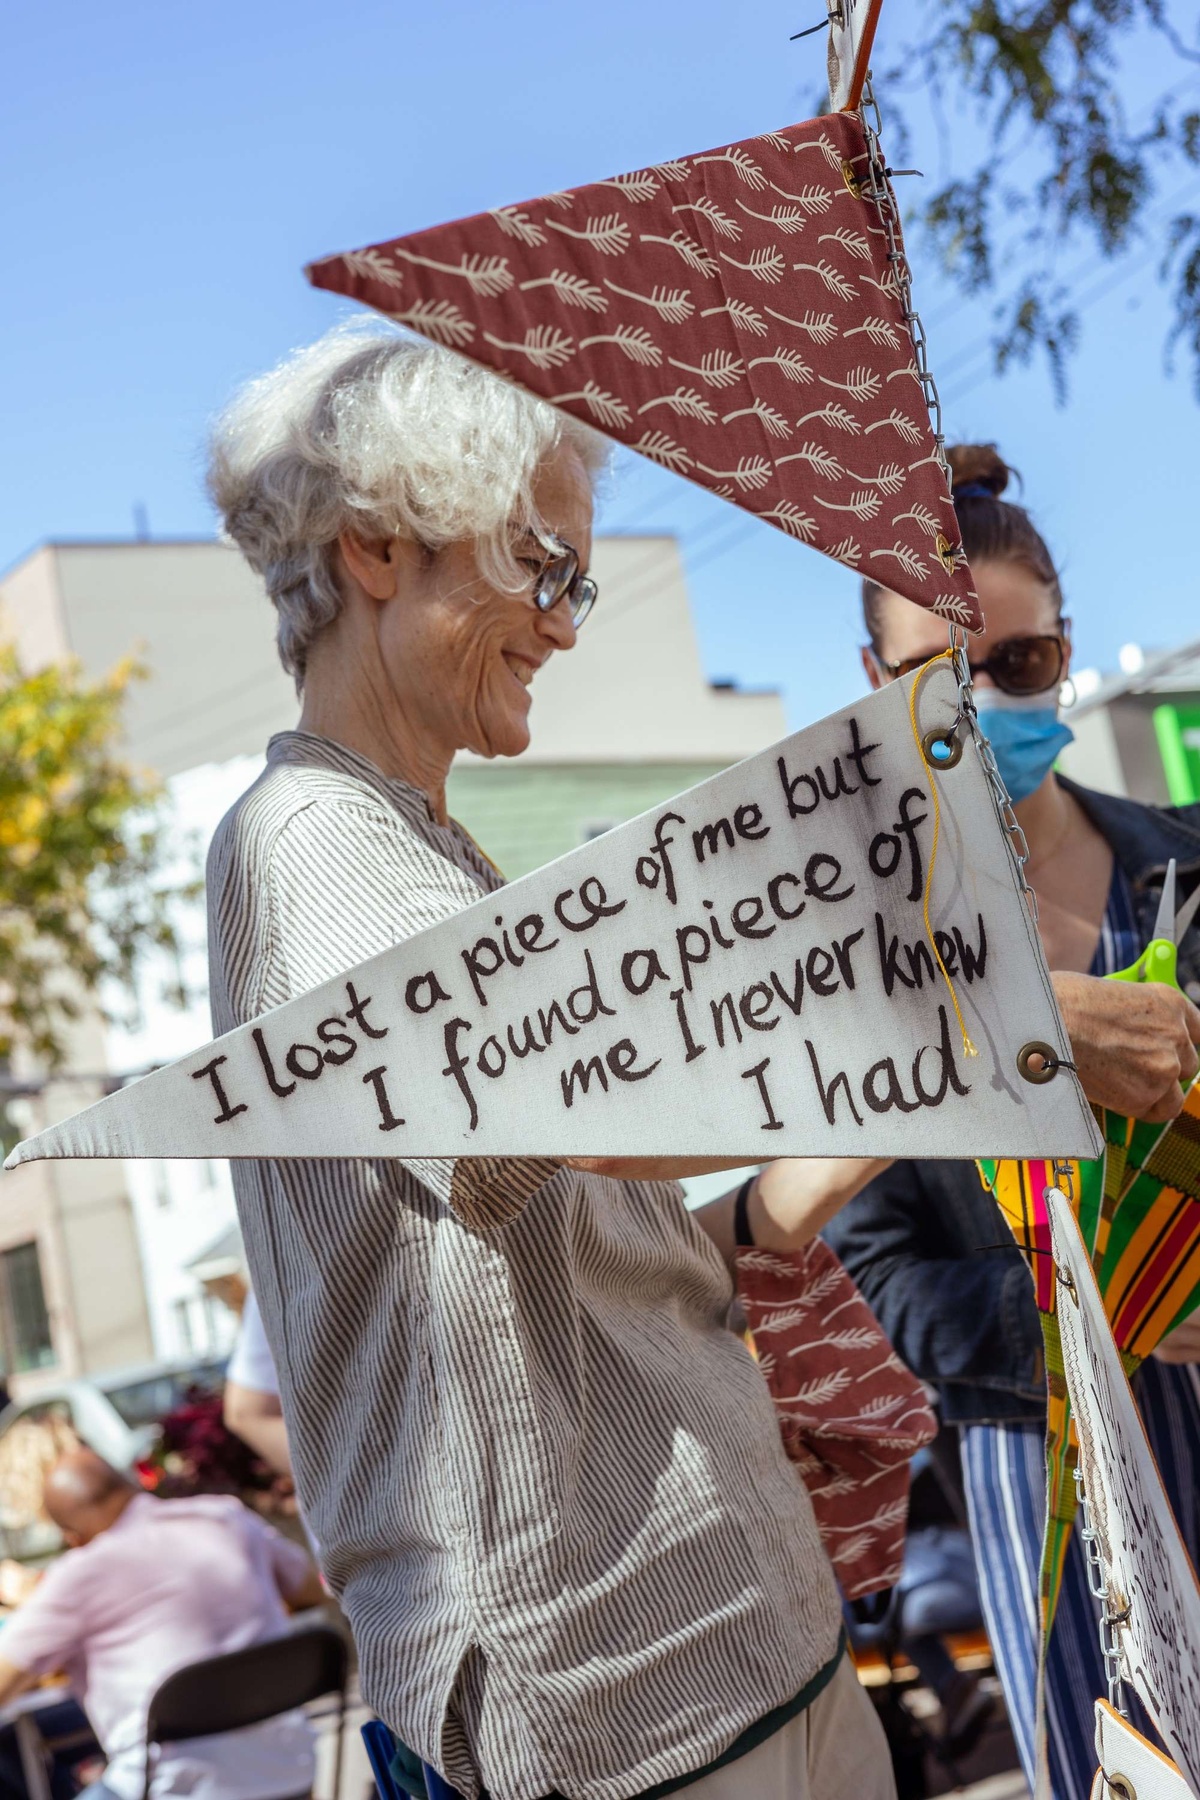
(1139, 1210)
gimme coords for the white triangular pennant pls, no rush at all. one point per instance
(743, 971)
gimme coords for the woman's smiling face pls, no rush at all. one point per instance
(461, 655)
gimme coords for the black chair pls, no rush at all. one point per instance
(229, 1692)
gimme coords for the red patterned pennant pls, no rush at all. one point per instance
(732, 316)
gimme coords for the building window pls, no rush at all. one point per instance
(213, 1313)
(26, 1339)
(183, 1326)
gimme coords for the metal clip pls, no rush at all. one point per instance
(1067, 1280)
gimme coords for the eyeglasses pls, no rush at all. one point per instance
(1017, 665)
(558, 578)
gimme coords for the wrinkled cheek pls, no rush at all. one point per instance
(495, 706)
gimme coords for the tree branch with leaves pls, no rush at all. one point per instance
(1066, 165)
(80, 848)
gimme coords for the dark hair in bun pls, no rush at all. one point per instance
(992, 529)
(979, 465)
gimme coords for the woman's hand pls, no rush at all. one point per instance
(1133, 1043)
(1183, 1344)
(790, 1201)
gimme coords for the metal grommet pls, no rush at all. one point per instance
(1120, 1785)
(1049, 1058)
(852, 181)
(948, 554)
(942, 749)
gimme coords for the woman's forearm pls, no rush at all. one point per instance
(789, 1201)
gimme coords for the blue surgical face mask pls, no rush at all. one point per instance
(1025, 734)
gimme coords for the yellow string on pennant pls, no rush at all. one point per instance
(942, 656)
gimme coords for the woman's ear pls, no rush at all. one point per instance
(373, 563)
(871, 668)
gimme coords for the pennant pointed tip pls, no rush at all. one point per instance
(79, 1136)
(25, 1151)
(319, 272)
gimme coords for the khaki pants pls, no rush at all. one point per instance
(834, 1750)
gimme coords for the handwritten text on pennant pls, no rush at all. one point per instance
(742, 971)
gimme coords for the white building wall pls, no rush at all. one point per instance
(1093, 759)
(181, 1207)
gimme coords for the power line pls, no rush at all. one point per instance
(636, 595)
(632, 592)
(980, 346)
(165, 725)
(168, 722)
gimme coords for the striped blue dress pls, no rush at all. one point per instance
(1004, 1472)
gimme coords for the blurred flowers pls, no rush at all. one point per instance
(198, 1454)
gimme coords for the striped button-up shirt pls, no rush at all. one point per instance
(548, 1484)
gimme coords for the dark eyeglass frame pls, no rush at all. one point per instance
(997, 665)
(559, 578)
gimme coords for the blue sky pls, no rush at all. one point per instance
(169, 171)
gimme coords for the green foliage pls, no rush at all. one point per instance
(1066, 165)
(79, 848)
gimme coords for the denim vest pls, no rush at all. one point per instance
(926, 1242)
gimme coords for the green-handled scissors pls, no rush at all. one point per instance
(1158, 960)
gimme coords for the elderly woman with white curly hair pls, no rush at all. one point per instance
(548, 1484)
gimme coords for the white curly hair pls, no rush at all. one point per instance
(372, 430)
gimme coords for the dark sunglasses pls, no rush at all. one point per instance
(558, 579)
(1018, 665)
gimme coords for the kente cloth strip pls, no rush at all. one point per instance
(851, 1414)
(733, 316)
(1139, 1212)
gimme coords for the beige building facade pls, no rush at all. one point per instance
(117, 1252)
(71, 1296)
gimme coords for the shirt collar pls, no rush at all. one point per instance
(321, 752)
(1142, 838)
(314, 751)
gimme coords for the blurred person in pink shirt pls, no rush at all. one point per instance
(148, 1586)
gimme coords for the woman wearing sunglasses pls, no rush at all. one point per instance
(921, 1239)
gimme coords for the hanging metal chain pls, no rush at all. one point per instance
(879, 190)
(1111, 1620)
(1000, 797)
